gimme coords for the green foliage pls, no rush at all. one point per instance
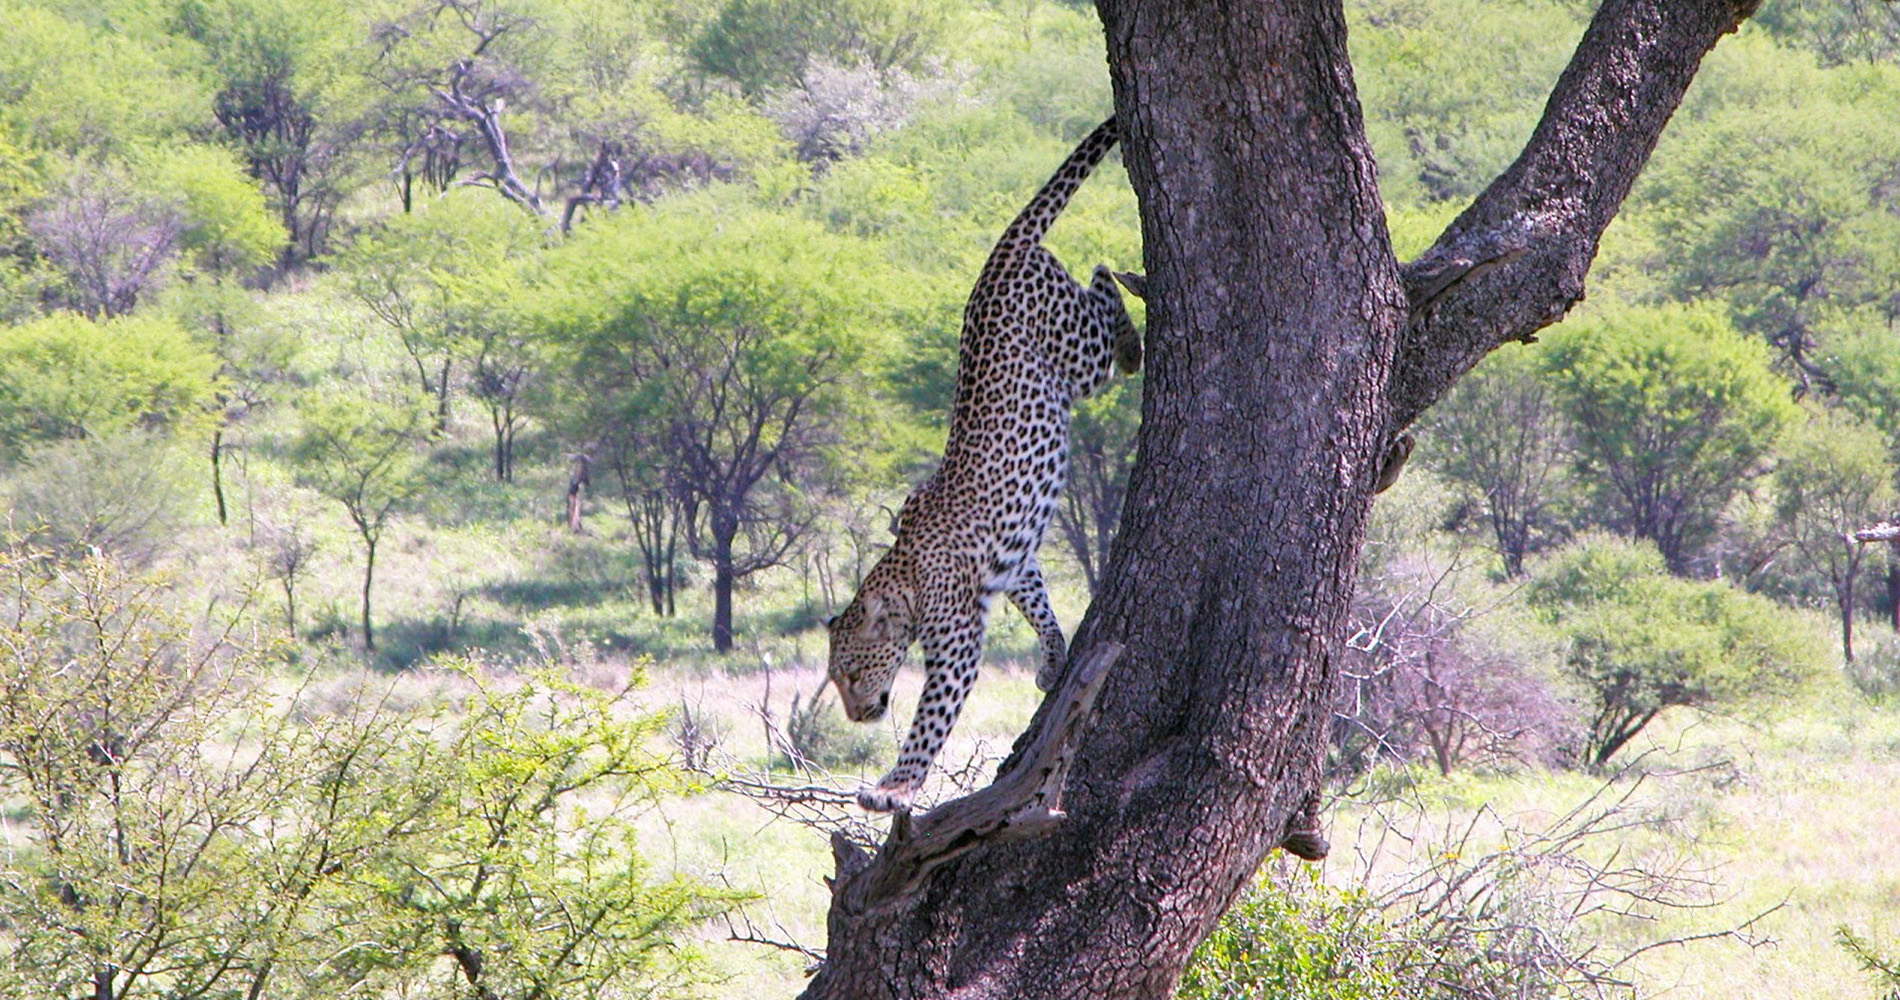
(66, 376)
(124, 493)
(290, 89)
(79, 88)
(726, 347)
(1446, 115)
(19, 188)
(228, 228)
(1673, 410)
(660, 288)
(361, 451)
(1499, 437)
(182, 831)
(1863, 31)
(1835, 476)
(1884, 970)
(1046, 70)
(1303, 940)
(446, 281)
(1641, 641)
(1780, 206)
(1865, 365)
(766, 44)
(1875, 670)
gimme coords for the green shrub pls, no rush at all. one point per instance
(177, 828)
(1297, 939)
(1641, 641)
(1884, 970)
(817, 736)
(1875, 672)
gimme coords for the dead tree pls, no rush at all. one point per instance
(1288, 347)
(1889, 532)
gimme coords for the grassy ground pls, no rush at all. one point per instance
(1799, 812)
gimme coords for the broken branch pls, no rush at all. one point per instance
(1021, 804)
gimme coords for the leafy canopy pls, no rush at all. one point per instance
(1641, 641)
(1673, 410)
(66, 376)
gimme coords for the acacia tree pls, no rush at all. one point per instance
(1834, 479)
(1501, 437)
(1640, 642)
(112, 240)
(1287, 347)
(723, 362)
(287, 100)
(442, 280)
(364, 454)
(1672, 411)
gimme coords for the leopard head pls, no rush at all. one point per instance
(868, 641)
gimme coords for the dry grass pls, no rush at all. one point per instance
(1801, 812)
(729, 838)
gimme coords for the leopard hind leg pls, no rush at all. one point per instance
(1031, 596)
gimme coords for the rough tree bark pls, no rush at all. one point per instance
(1287, 346)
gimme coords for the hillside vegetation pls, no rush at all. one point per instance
(389, 388)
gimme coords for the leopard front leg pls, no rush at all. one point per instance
(950, 671)
(1031, 597)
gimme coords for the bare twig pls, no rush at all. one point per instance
(1486, 887)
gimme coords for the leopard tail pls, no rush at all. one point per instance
(1035, 219)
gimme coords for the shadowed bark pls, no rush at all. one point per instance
(1287, 347)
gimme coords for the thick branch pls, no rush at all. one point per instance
(1885, 531)
(1514, 262)
(1023, 803)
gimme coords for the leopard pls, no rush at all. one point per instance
(1034, 341)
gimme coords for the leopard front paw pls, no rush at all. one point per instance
(892, 794)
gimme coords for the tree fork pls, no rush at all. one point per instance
(1287, 347)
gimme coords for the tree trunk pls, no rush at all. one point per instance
(217, 474)
(369, 576)
(577, 479)
(723, 536)
(1893, 585)
(672, 583)
(442, 396)
(1847, 603)
(508, 446)
(501, 448)
(1286, 347)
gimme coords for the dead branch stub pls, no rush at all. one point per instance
(1024, 803)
